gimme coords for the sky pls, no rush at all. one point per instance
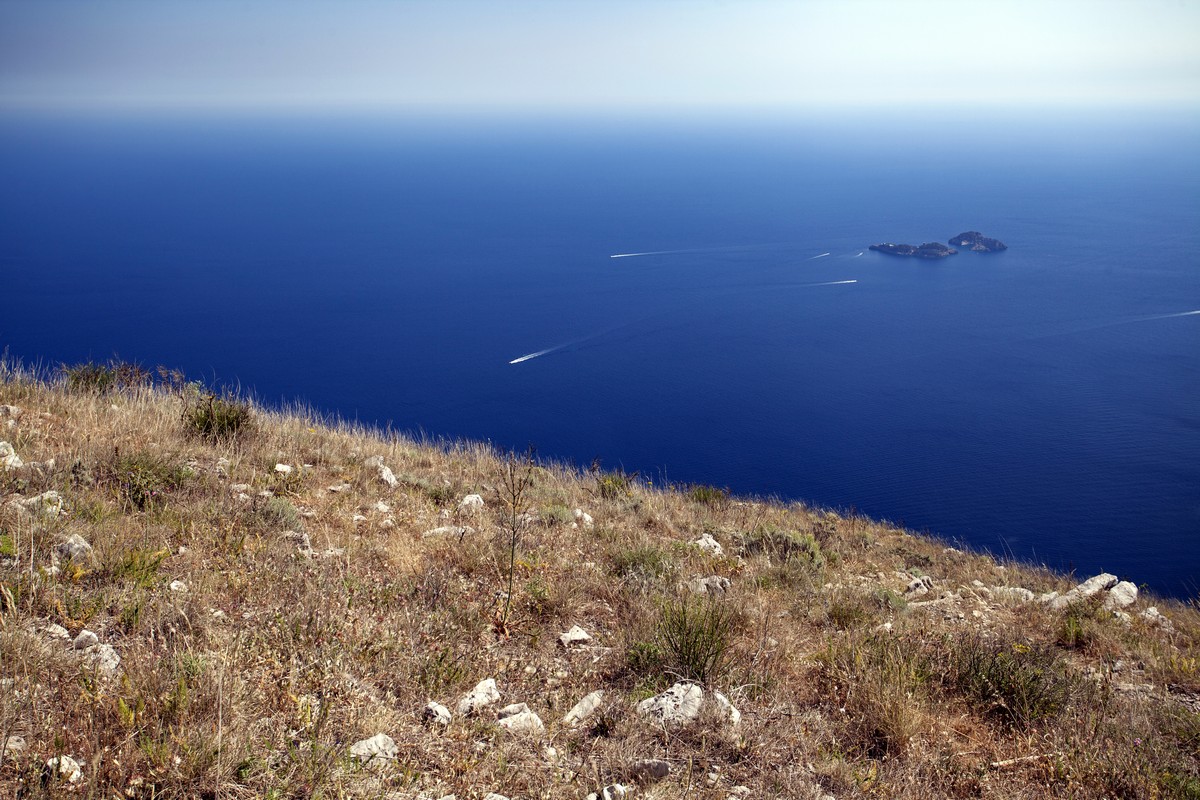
(605, 55)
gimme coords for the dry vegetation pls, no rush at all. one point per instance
(250, 664)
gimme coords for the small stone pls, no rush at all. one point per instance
(471, 504)
(494, 796)
(339, 488)
(614, 791)
(74, 548)
(584, 708)
(583, 518)
(575, 636)
(483, 695)
(379, 747)
(1013, 594)
(715, 585)
(298, 538)
(104, 658)
(239, 488)
(727, 709)
(1123, 595)
(459, 531)
(12, 747)
(85, 639)
(709, 545)
(919, 586)
(178, 586)
(1154, 617)
(386, 476)
(9, 412)
(649, 769)
(678, 705)
(382, 507)
(56, 631)
(283, 469)
(9, 459)
(517, 718)
(65, 768)
(46, 504)
(374, 462)
(437, 714)
(357, 518)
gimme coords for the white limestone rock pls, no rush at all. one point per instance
(517, 718)
(494, 796)
(12, 747)
(1123, 595)
(709, 545)
(715, 585)
(583, 519)
(471, 504)
(85, 639)
(483, 695)
(379, 748)
(178, 586)
(457, 531)
(104, 658)
(1089, 588)
(1013, 594)
(74, 548)
(382, 507)
(727, 709)
(1153, 616)
(584, 708)
(575, 636)
(47, 504)
(339, 488)
(9, 459)
(919, 586)
(649, 769)
(388, 479)
(437, 714)
(677, 706)
(283, 469)
(64, 768)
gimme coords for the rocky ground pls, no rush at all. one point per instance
(202, 598)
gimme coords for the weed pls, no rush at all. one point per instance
(615, 485)
(142, 480)
(101, 379)
(645, 565)
(707, 495)
(847, 610)
(889, 600)
(1015, 682)
(278, 514)
(784, 546)
(516, 479)
(696, 635)
(218, 418)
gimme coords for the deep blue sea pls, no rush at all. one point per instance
(1043, 402)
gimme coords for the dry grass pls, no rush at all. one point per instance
(257, 671)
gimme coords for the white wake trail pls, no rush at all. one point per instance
(1170, 316)
(856, 255)
(832, 283)
(529, 356)
(822, 255)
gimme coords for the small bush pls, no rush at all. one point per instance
(143, 480)
(93, 378)
(1017, 683)
(708, 495)
(645, 565)
(614, 485)
(847, 610)
(216, 418)
(784, 546)
(696, 636)
(278, 514)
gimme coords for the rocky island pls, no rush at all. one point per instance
(978, 242)
(926, 250)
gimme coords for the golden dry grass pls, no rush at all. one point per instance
(255, 679)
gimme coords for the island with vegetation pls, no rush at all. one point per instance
(930, 250)
(978, 242)
(203, 597)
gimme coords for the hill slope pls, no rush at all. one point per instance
(204, 598)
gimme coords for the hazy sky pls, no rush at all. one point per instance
(614, 54)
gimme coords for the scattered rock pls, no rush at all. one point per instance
(386, 476)
(1013, 594)
(1123, 595)
(483, 695)
(283, 469)
(239, 488)
(382, 507)
(517, 718)
(9, 412)
(715, 585)
(727, 709)
(614, 791)
(178, 586)
(74, 548)
(582, 518)
(471, 504)
(575, 636)
(677, 706)
(709, 545)
(919, 586)
(584, 708)
(12, 747)
(460, 531)
(437, 714)
(85, 639)
(64, 768)
(339, 488)
(56, 631)
(299, 539)
(46, 504)
(1154, 617)
(9, 459)
(104, 658)
(1088, 588)
(649, 769)
(379, 747)
(494, 796)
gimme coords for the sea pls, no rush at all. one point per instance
(690, 298)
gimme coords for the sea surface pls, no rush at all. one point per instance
(1042, 403)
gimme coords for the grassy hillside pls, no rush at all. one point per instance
(265, 592)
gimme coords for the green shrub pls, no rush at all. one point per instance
(216, 418)
(708, 495)
(278, 514)
(143, 480)
(646, 565)
(93, 378)
(1017, 683)
(784, 546)
(847, 610)
(614, 485)
(696, 636)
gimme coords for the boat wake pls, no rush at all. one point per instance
(531, 356)
(822, 255)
